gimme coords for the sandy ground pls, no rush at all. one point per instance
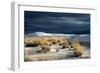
(62, 54)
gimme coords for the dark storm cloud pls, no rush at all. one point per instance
(52, 22)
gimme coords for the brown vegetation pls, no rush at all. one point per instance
(45, 42)
(76, 47)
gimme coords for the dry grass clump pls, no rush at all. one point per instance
(32, 42)
(76, 47)
(45, 48)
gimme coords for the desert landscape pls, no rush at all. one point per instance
(56, 36)
(41, 46)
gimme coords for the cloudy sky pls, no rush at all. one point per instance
(52, 22)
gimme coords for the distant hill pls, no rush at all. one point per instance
(47, 34)
(80, 37)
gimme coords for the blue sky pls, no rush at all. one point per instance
(54, 22)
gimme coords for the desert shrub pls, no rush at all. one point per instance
(54, 42)
(64, 46)
(76, 48)
(29, 45)
(45, 48)
(33, 43)
(58, 41)
(77, 52)
(43, 42)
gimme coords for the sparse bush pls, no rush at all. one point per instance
(77, 53)
(34, 43)
(64, 46)
(54, 42)
(45, 42)
(76, 47)
(45, 48)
